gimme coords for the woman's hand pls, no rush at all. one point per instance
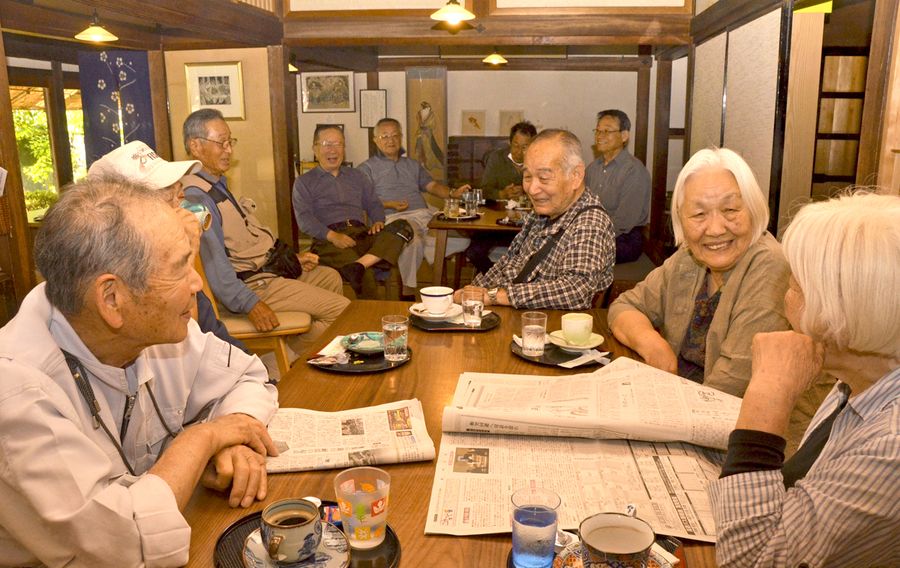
(657, 352)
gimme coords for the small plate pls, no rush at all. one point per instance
(333, 551)
(552, 357)
(557, 338)
(365, 342)
(488, 321)
(419, 310)
(464, 217)
(360, 363)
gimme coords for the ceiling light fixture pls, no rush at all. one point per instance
(452, 13)
(495, 59)
(95, 32)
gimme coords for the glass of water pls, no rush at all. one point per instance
(534, 331)
(534, 527)
(473, 305)
(479, 195)
(396, 334)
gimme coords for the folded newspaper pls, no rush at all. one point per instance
(580, 436)
(389, 433)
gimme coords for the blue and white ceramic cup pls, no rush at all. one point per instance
(291, 530)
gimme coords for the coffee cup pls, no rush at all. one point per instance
(437, 299)
(615, 540)
(291, 530)
(577, 328)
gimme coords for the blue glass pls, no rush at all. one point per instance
(533, 536)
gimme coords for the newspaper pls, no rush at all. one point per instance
(389, 433)
(600, 440)
(623, 400)
(477, 473)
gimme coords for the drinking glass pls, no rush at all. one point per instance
(473, 305)
(396, 333)
(534, 331)
(362, 495)
(479, 195)
(534, 527)
(471, 202)
(451, 208)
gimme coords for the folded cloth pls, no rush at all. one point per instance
(588, 357)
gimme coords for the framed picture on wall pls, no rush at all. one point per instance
(216, 85)
(327, 91)
(472, 123)
(372, 107)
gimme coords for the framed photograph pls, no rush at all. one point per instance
(327, 91)
(372, 107)
(216, 85)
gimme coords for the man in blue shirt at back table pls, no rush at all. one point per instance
(332, 204)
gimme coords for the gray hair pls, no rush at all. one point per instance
(570, 143)
(89, 232)
(751, 193)
(195, 125)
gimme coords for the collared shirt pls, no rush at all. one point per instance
(578, 266)
(499, 172)
(321, 199)
(623, 186)
(844, 512)
(61, 476)
(401, 180)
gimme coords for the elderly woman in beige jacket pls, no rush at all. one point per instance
(696, 315)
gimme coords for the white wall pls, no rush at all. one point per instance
(356, 138)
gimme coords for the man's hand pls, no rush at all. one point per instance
(340, 240)
(658, 353)
(191, 228)
(240, 468)
(511, 191)
(376, 228)
(399, 205)
(262, 317)
(308, 260)
(460, 190)
(237, 430)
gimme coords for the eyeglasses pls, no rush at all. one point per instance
(330, 144)
(225, 145)
(605, 132)
(389, 136)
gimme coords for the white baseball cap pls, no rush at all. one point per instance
(139, 162)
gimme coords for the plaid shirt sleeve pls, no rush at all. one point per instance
(578, 266)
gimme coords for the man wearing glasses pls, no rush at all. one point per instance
(338, 207)
(401, 183)
(621, 182)
(240, 255)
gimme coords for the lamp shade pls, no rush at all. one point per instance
(495, 59)
(95, 32)
(453, 13)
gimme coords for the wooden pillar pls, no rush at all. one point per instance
(15, 254)
(159, 101)
(59, 130)
(642, 114)
(658, 218)
(371, 83)
(283, 107)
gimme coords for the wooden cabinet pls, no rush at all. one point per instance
(466, 156)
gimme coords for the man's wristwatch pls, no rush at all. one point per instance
(492, 295)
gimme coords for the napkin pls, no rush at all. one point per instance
(459, 319)
(590, 355)
(333, 348)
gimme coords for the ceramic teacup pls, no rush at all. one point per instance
(291, 530)
(576, 328)
(437, 299)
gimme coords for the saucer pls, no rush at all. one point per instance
(365, 342)
(557, 338)
(419, 310)
(333, 551)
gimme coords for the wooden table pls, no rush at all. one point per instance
(487, 222)
(438, 360)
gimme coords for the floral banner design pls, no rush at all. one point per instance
(115, 94)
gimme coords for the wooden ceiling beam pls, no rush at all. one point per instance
(523, 64)
(349, 58)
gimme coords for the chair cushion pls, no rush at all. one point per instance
(240, 324)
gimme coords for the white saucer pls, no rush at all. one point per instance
(333, 551)
(419, 310)
(557, 338)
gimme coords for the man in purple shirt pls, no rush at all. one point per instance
(332, 204)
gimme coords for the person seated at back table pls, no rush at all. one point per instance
(332, 201)
(621, 182)
(502, 179)
(725, 283)
(565, 252)
(113, 403)
(400, 183)
(243, 260)
(836, 502)
(139, 163)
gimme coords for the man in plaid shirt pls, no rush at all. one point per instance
(566, 250)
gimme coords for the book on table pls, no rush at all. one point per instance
(625, 434)
(384, 434)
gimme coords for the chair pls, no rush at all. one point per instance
(240, 327)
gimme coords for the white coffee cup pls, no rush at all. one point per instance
(577, 328)
(437, 299)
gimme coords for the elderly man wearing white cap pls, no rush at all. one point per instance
(139, 163)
